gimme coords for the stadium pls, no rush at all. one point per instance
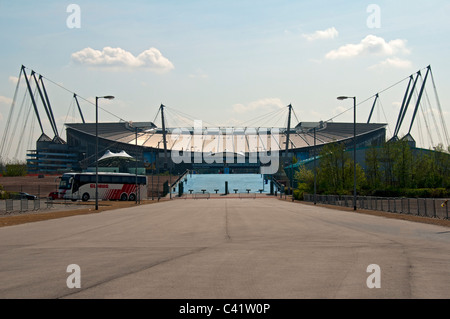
(157, 148)
(205, 150)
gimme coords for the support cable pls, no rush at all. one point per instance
(31, 133)
(385, 118)
(32, 97)
(388, 88)
(419, 126)
(418, 99)
(430, 138)
(86, 100)
(444, 126)
(44, 103)
(11, 140)
(430, 110)
(25, 123)
(10, 115)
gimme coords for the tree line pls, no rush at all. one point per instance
(391, 169)
(13, 168)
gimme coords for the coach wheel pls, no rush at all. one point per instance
(123, 197)
(132, 197)
(85, 197)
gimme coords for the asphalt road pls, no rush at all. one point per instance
(225, 249)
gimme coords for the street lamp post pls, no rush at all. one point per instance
(136, 167)
(292, 177)
(108, 97)
(315, 170)
(157, 171)
(354, 145)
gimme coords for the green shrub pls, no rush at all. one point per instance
(15, 170)
(4, 194)
(298, 195)
(427, 193)
(301, 189)
(412, 192)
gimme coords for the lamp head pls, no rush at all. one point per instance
(342, 98)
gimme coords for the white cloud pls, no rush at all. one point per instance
(315, 114)
(329, 33)
(393, 62)
(397, 105)
(5, 100)
(117, 57)
(433, 111)
(266, 105)
(370, 45)
(340, 110)
(232, 122)
(13, 79)
(198, 74)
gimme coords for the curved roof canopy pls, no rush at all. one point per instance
(224, 140)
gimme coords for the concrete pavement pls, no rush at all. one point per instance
(225, 249)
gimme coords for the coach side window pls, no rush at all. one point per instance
(115, 179)
(106, 179)
(84, 179)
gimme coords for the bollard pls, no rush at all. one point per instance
(180, 189)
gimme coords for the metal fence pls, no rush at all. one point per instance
(426, 207)
(247, 195)
(202, 195)
(9, 206)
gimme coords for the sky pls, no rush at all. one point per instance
(227, 63)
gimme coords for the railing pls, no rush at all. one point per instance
(9, 206)
(278, 185)
(247, 195)
(174, 184)
(206, 195)
(202, 195)
(426, 207)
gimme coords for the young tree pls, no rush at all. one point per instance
(15, 169)
(387, 164)
(442, 160)
(373, 165)
(402, 165)
(305, 177)
(331, 161)
(336, 170)
(425, 171)
(305, 181)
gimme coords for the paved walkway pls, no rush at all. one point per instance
(225, 248)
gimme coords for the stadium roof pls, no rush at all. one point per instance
(222, 139)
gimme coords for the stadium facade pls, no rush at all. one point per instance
(206, 150)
